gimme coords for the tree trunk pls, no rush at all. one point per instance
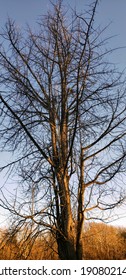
(66, 226)
(66, 248)
(80, 217)
(79, 249)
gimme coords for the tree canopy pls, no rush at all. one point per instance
(63, 115)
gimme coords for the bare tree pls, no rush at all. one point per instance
(63, 115)
(103, 242)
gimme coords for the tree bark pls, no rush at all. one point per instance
(80, 218)
(66, 248)
(66, 234)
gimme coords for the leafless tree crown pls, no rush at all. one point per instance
(63, 114)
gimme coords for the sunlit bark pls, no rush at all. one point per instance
(63, 115)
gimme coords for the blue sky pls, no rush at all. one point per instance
(109, 11)
(28, 11)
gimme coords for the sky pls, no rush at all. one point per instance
(109, 12)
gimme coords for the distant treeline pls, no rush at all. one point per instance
(100, 241)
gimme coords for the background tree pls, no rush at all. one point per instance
(23, 244)
(103, 242)
(63, 115)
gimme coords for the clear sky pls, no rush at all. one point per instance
(27, 11)
(109, 11)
